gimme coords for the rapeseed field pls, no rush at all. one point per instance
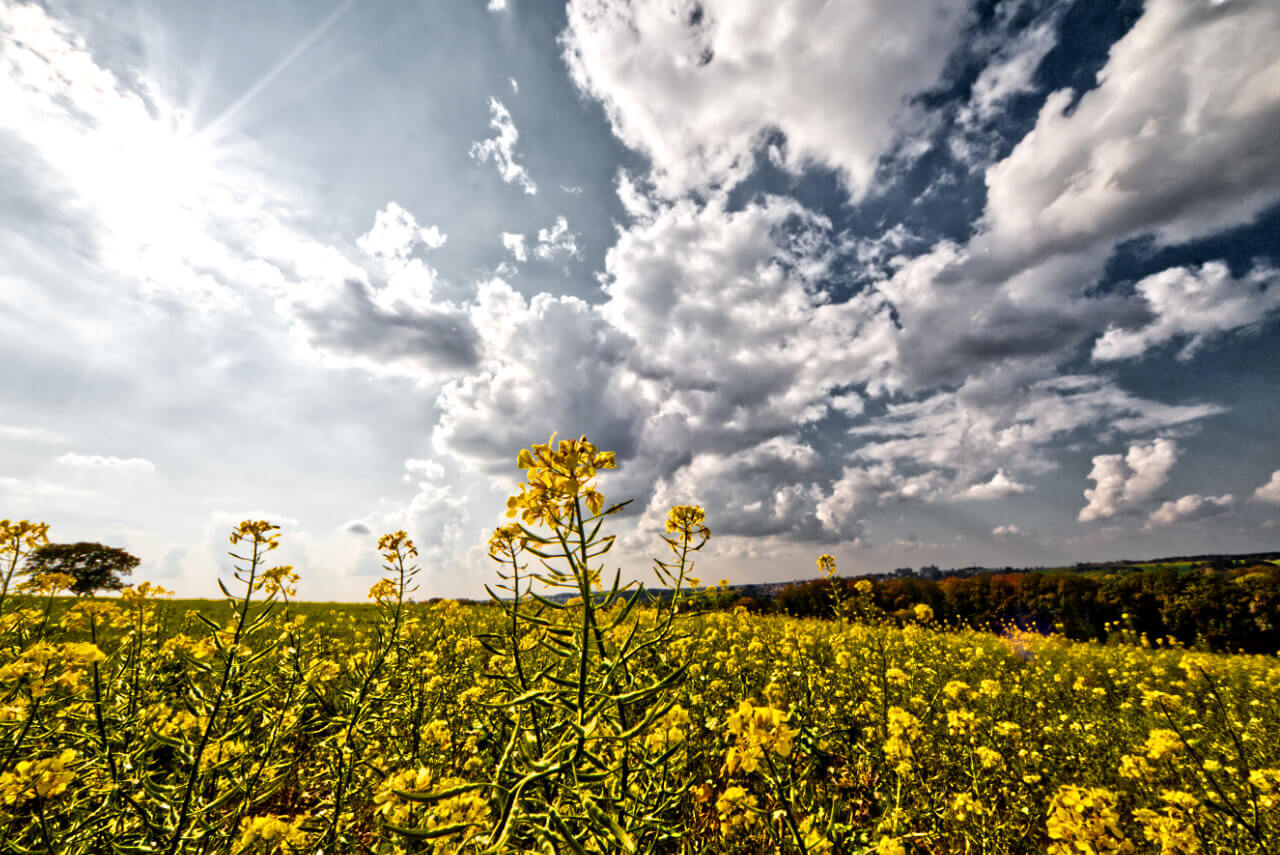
(604, 724)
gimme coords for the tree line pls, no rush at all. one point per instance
(1236, 609)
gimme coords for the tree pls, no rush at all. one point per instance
(94, 567)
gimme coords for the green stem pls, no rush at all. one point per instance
(345, 769)
(776, 780)
(17, 746)
(189, 788)
(8, 575)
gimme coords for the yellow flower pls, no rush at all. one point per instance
(756, 730)
(687, 520)
(278, 580)
(989, 758)
(1162, 742)
(143, 591)
(669, 730)
(21, 536)
(557, 476)
(890, 846)
(396, 545)
(1085, 819)
(384, 589)
(506, 542)
(48, 583)
(903, 727)
(734, 808)
(282, 834)
(44, 778)
(257, 532)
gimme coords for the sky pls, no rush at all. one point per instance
(908, 282)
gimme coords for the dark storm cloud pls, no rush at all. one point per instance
(355, 325)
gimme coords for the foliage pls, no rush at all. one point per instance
(606, 724)
(17, 540)
(94, 567)
(1230, 610)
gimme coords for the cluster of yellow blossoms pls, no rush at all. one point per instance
(45, 778)
(687, 520)
(556, 477)
(1085, 819)
(382, 729)
(757, 732)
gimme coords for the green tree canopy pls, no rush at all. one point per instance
(94, 567)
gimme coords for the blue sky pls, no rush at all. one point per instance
(907, 282)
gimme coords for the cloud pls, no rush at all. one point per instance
(1195, 303)
(552, 243)
(191, 222)
(717, 338)
(1000, 486)
(728, 356)
(514, 244)
(549, 363)
(998, 423)
(497, 5)
(1125, 481)
(98, 461)
(1140, 154)
(1005, 531)
(699, 87)
(714, 338)
(1011, 71)
(850, 404)
(501, 149)
(858, 489)
(172, 565)
(733, 328)
(556, 241)
(1189, 508)
(395, 233)
(760, 491)
(435, 516)
(392, 331)
(1176, 140)
(28, 491)
(20, 433)
(427, 470)
(1270, 491)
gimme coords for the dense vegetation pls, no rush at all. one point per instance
(1224, 610)
(604, 724)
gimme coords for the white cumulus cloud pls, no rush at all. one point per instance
(514, 244)
(501, 149)
(395, 233)
(1000, 486)
(1270, 491)
(557, 241)
(698, 86)
(1189, 508)
(99, 461)
(1170, 142)
(1124, 481)
(1193, 303)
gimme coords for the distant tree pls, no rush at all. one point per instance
(94, 567)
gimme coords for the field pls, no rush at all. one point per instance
(258, 725)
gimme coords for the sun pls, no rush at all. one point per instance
(165, 166)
